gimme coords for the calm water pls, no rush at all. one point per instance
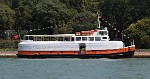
(15, 68)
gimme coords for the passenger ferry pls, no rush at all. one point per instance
(85, 44)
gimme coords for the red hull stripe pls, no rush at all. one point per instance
(96, 52)
(47, 52)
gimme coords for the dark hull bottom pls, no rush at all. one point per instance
(118, 55)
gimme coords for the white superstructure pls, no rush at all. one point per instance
(92, 40)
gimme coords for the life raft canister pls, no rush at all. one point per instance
(15, 37)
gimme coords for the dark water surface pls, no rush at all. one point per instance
(133, 68)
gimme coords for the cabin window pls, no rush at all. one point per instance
(35, 38)
(60, 38)
(53, 38)
(78, 38)
(104, 37)
(91, 38)
(38, 38)
(25, 37)
(97, 38)
(103, 32)
(50, 39)
(46, 38)
(72, 39)
(84, 38)
(67, 38)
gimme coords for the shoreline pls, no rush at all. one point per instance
(8, 54)
(12, 54)
(138, 54)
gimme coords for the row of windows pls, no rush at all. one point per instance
(48, 38)
(64, 38)
(90, 38)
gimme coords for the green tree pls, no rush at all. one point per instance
(140, 32)
(7, 2)
(82, 5)
(24, 10)
(116, 12)
(139, 9)
(91, 5)
(74, 4)
(83, 21)
(6, 17)
(53, 14)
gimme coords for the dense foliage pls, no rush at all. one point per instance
(140, 31)
(68, 16)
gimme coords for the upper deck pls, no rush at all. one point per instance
(93, 35)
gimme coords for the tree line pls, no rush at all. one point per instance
(125, 19)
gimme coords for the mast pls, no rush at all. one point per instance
(99, 25)
(99, 22)
(99, 19)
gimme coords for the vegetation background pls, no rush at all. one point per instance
(125, 19)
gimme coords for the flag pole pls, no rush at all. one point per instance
(99, 22)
